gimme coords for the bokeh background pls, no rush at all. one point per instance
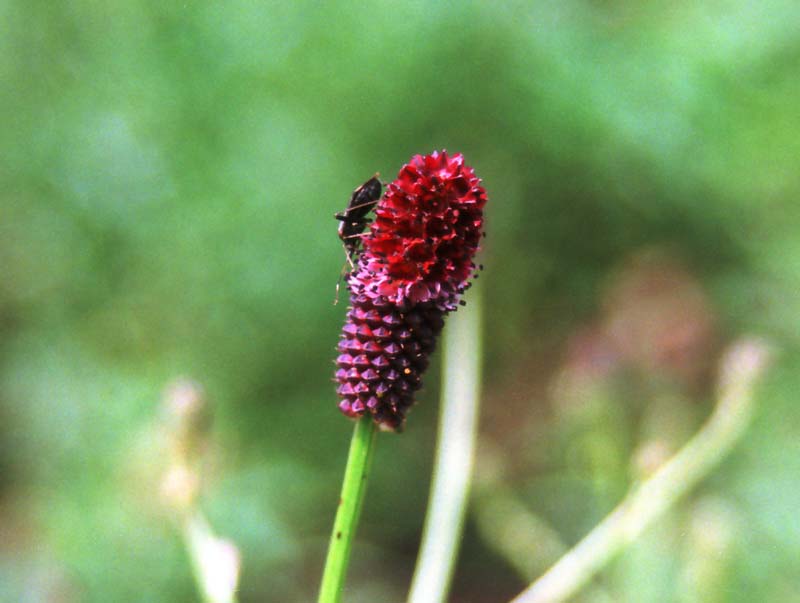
(169, 174)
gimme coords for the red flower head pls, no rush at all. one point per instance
(416, 263)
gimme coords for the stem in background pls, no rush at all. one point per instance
(215, 561)
(526, 541)
(344, 527)
(444, 519)
(741, 367)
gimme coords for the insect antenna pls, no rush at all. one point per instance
(360, 205)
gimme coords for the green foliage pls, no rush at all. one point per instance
(169, 174)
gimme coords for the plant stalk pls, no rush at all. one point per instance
(744, 363)
(455, 451)
(350, 502)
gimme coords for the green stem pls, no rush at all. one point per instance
(744, 363)
(455, 451)
(344, 527)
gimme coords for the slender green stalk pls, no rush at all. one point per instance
(455, 451)
(344, 527)
(744, 363)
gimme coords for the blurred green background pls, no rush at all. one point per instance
(169, 172)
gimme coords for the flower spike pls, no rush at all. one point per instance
(415, 265)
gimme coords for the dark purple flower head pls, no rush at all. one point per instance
(416, 263)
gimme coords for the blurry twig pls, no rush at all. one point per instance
(744, 362)
(215, 561)
(455, 450)
(527, 542)
(524, 539)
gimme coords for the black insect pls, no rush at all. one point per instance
(354, 219)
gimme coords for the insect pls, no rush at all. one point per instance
(354, 221)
